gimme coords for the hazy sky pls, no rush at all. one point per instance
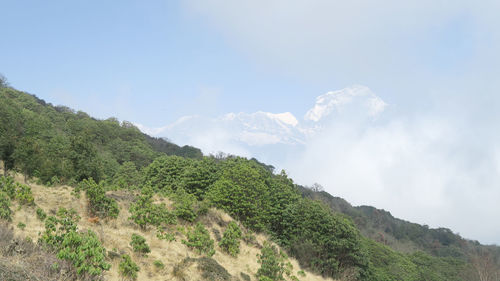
(433, 157)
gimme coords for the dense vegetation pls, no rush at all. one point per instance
(54, 144)
(57, 144)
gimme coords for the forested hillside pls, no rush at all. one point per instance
(59, 144)
(119, 170)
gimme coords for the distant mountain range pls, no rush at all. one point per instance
(252, 131)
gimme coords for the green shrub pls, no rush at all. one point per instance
(272, 263)
(158, 264)
(85, 252)
(139, 244)
(21, 225)
(199, 239)
(40, 214)
(24, 194)
(99, 204)
(230, 241)
(57, 227)
(144, 212)
(5, 211)
(185, 204)
(128, 268)
(7, 185)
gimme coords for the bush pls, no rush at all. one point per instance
(230, 241)
(272, 263)
(99, 204)
(5, 211)
(21, 225)
(40, 214)
(184, 204)
(128, 268)
(139, 244)
(199, 239)
(85, 252)
(57, 227)
(24, 194)
(144, 212)
(7, 185)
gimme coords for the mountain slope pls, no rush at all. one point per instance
(54, 144)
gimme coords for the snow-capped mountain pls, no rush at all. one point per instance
(243, 133)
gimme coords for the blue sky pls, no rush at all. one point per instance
(432, 157)
(148, 63)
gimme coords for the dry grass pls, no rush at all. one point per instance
(180, 262)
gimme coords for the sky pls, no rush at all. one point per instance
(431, 156)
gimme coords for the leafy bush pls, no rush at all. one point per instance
(21, 225)
(199, 239)
(230, 241)
(40, 214)
(5, 211)
(24, 194)
(272, 263)
(128, 268)
(99, 204)
(185, 204)
(144, 212)
(85, 252)
(139, 244)
(57, 227)
(7, 185)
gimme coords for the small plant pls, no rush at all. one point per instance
(55, 266)
(40, 214)
(5, 211)
(301, 273)
(230, 241)
(21, 225)
(158, 264)
(199, 238)
(139, 245)
(128, 268)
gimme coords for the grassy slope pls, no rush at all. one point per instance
(116, 234)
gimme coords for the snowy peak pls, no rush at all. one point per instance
(359, 97)
(260, 128)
